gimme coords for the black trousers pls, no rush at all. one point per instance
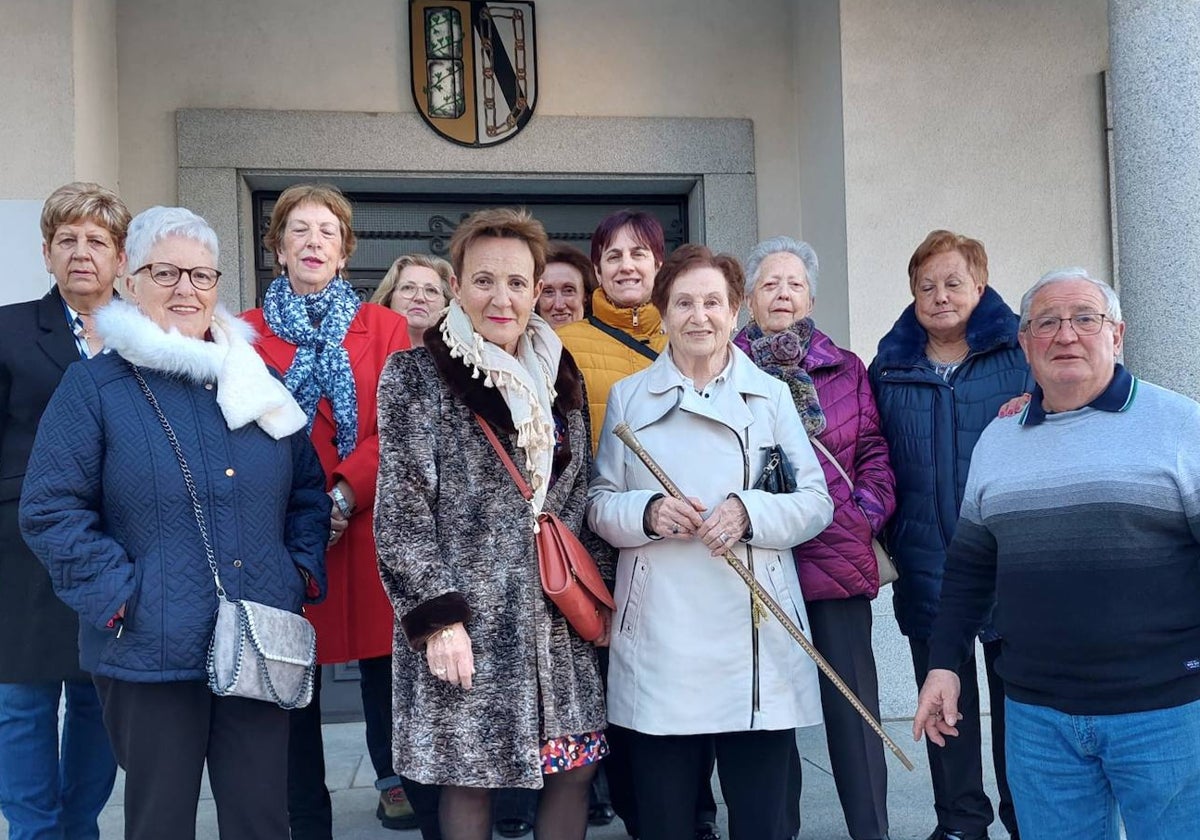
(956, 769)
(163, 734)
(751, 766)
(310, 809)
(618, 773)
(841, 631)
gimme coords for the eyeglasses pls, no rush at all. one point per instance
(1047, 326)
(408, 291)
(168, 275)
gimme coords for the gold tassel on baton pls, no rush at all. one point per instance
(761, 596)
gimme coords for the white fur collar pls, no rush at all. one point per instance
(246, 390)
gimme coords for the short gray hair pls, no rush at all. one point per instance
(155, 224)
(782, 245)
(1062, 275)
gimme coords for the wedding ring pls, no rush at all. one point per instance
(439, 671)
(724, 537)
(447, 634)
(332, 535)
(674, 529)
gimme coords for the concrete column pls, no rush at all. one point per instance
(1154, 54)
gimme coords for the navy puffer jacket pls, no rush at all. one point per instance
(106, 509)
(931, 427)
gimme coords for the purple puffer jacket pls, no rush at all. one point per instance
(839, 562)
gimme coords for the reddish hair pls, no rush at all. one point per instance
(941, 241)
(325, 195)
(561, 252)
(500, 223)
(644, 227)
(685, 258)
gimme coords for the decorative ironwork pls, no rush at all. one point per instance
(391, 225)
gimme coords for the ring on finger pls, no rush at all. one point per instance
(439, 671)
(674, 529)
(724, 537)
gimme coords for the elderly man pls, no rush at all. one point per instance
(1082, 516)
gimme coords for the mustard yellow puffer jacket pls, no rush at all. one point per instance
(602, 358)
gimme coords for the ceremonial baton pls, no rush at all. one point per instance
(764, 597)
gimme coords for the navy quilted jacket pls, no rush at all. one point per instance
(931, 427)
(105, 508)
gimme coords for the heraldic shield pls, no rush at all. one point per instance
(474, 67)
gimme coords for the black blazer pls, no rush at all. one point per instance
(38, 633)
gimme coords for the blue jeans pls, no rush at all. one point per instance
(1075, 777)
(51, 790)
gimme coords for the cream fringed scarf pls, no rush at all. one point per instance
(525, 381)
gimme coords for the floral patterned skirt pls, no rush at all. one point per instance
(568, 752)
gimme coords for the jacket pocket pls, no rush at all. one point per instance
(637, 591)
(783, 592)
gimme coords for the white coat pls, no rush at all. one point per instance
(686, 657)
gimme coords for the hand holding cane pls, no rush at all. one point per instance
(762, 598)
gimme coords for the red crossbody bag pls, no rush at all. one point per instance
(569, 575)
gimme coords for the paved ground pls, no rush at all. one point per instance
(910, 801)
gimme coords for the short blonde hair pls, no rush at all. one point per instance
(84, 201)
(387, 286)
(325, 195)
(503, 223)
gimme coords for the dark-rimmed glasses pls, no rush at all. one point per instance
(168, 275)
(1085, 323)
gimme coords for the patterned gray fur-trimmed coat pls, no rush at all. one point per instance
(455, 543)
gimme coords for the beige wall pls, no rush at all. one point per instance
(36, 108)
(95, 80)
(983, 117)
(612, 58)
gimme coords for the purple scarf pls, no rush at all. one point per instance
(782, 355)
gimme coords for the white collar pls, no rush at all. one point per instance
(246, 390)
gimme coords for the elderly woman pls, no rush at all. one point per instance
(566, 284)
(692, 663)
(50, 787)
(492, 688)
(330, 348)
(939, 377)
(621, 335)
(838, 572)
(417, 286)
(106, 508)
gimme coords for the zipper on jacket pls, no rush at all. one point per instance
(632, 575)
(755, 704)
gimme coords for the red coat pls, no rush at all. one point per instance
(355, 620)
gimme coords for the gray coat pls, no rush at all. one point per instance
(455, 543)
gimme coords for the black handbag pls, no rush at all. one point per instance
(777, 475)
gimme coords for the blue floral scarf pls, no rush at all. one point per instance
(317, 325)
(782, 355)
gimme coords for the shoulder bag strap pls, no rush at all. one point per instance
(623, 337)
(836, 464)
(187, 477)
(522, 485)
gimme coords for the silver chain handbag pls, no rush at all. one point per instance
(257, 651)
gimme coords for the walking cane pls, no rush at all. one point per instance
(763, 597)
